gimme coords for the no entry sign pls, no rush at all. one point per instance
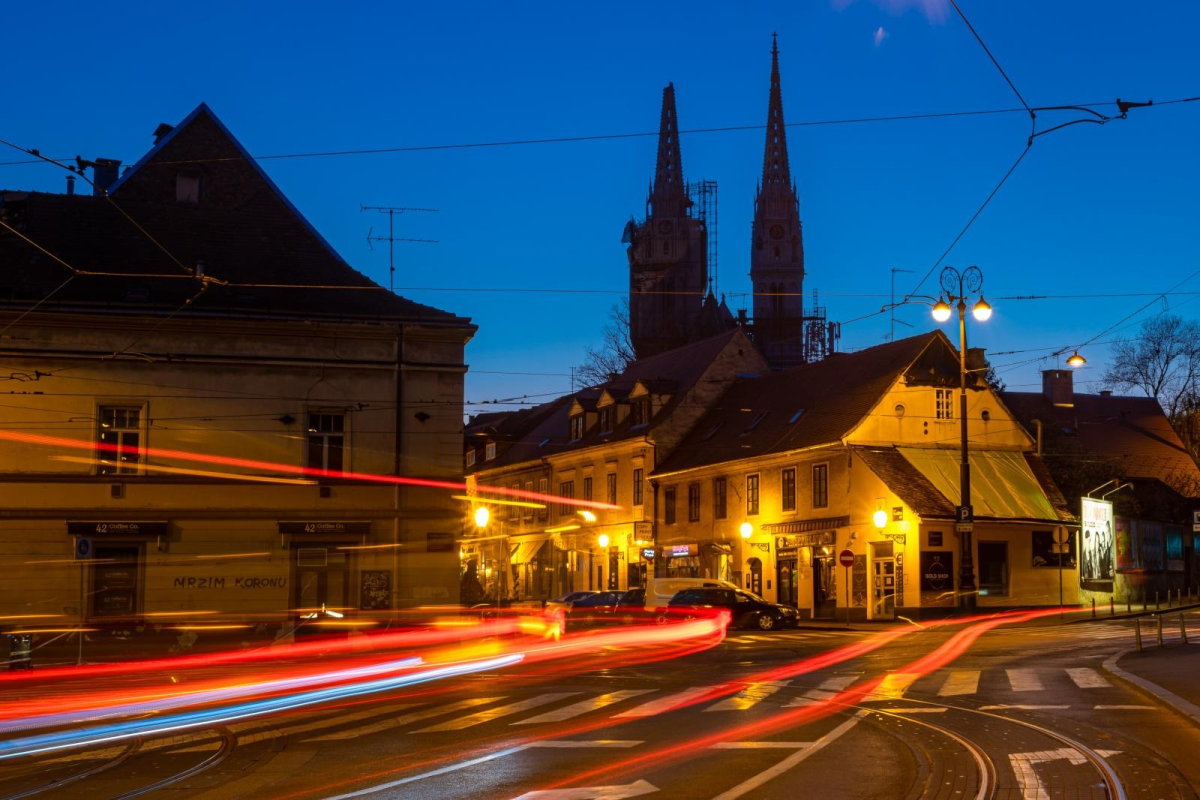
(846, 558)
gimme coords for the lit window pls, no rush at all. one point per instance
(471, 457)
(326, 441)
(120, 427)
(490, 451)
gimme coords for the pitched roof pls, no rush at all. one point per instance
(1132, 429)
(805, 406)
(264, 257)
(549, 432)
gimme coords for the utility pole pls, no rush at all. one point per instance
(391, 239)
(892, 305)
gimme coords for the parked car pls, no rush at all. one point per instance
(745, 609)
(659, 591)
(577, 607)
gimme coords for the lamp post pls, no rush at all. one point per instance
(958, 286)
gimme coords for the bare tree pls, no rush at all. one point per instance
(615, 352)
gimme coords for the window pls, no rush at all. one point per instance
(945, 404)
(638, 480)
(719, 492)
(693, 502)
(820, 485)
(515, 511)
(529, 509)
(577, 427)
(611, 494)
(587, 488)
(326, 441)
(759, 417)
(120, 426)
(788, 488)
(490, 451)
(471, 457)
(608, 417)
(640, 410)
(669, 506)
(187, 186)
(543, 488)
(751, 494)
(566, 490)
(993, 568)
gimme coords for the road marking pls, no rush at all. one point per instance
(572, 744)
(894, 685)
(919, 710)
(1019, 706)
(760, 745)
(827, 690)
(583, 707)
(1124, 708)
(407, 719)
(1088, 678)
(668, 703)
(490, 714)
(1024, 680)
(960, 681)
(279, 766)
(635, 789)
(327, 723)
(753, 783)
(1027, 777)
(748, 697)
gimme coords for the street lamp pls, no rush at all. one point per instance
(746, 530)
(958, 286)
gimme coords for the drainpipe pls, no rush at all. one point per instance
(1038, 422)
(397, 463)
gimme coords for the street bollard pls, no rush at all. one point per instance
(1182, 630)
(1093, 608)
(1137, 634)
(1158, 629)
(1156, 600)
(1112, 608)
(1128, 606)
(1143, 602)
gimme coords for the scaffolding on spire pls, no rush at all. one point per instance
(703, 197)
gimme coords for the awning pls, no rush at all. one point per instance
(524, 552)
(1002, 484)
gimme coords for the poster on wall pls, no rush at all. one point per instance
(1128, 554)
(1151, 536)
(937, 578)
(1096, 546)
(1044, 554)
(1173, 534)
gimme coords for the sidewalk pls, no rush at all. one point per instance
(1167, 672)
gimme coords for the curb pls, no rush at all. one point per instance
(1131, 615)
(1184, 707)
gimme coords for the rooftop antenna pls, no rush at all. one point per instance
(892, 305)
(391, 239)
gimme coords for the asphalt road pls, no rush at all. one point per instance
(1019, 712)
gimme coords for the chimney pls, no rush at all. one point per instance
(70, 185)
(1057, 387)
(105, 172)
(162, 130)
(976, 359)
(1106, 392)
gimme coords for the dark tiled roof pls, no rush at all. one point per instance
(756, 415)
(1053, 493)
(1133, 430)
(906, 481)
(244, 230)
(550, 432)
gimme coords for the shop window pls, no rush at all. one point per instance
(993, 568)
(751, 495)
(788, 488)
(120, 426)
(638, 481)
(720, 489)
(611, 488)
(693, 502)
(669, 506)
(945, 404)
(327, 441)
(820, 485)
(566, 490)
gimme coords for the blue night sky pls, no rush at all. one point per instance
(1091, 210)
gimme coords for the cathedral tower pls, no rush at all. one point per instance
(668, 261)
(777, 246)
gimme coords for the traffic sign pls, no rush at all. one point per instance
(83, 548)
(846, 558)
(963, 527)
(1062, 547)
(1061, 536)
(964, 513)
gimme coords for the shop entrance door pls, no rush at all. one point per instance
(824, 586)
(787, 581)
(755, 578)
(321, 578)
(885, 588)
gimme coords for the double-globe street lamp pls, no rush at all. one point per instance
(958, 287)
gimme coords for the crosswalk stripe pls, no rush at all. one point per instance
(668, 703)
(827, 690)
(490, 714)
(895, 685)
(964, 681)
(748, 697)
(407, 719)
(1024, 680)
(1088, 678)
(583, 707)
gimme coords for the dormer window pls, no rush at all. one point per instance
(471, 457)
(608, 418)
(187, 186)
(640, 410)
(489, 452)
(577, 427)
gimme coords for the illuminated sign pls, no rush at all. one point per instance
(677, 550)
(1096, 545)
(648, 553)
(326, 527)
(117, 528)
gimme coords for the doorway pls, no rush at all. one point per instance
(786, 569)
(884, 588)
(115, 591)
(321, 578)
(824, 586)
(754, 579)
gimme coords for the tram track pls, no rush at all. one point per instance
(91, 772)
(228, 741)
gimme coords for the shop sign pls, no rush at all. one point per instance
(787, 552)
(336, 528)
(675, 551)
(785, 542)
(648, 553)
(643, 531)
(117, 528)
(818, 539)
(935, 538)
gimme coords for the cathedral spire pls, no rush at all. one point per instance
(668, 196)
(776, 174)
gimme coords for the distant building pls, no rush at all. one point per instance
(671, 301)
(218, 338)
(1094, 443)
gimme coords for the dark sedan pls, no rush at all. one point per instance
(745, 609)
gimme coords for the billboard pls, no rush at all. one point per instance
(1174, 537)
(1096, 546)
(1129, 554)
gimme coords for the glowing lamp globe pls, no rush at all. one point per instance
(746, 529)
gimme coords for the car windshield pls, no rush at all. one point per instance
(752, 596)
(571, 597)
